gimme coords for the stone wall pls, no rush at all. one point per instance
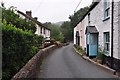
(31, 69)
(115, 61)
(119, 29)
(115, 32)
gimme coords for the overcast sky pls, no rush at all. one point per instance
(48, 10)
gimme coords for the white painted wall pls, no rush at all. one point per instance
(96, 19)
(119, 29)
(116, 45)
(75, 35)
(46, 35)
(38, 29)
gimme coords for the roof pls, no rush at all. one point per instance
(94, 4)
(91, 29)
(32, 19)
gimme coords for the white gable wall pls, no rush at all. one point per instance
(82, 34)
(85, 23)
(75, 35)
(97, 20)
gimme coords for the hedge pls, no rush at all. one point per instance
(18, 47)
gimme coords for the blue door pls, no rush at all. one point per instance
(91, 40)
(92, 44)
(87, 44)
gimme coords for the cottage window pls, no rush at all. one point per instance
(107, 41)
(44, 30)
(48, 32)
(106, 9)
(89, 19)
(41, 30)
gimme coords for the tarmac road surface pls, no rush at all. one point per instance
(65, 63)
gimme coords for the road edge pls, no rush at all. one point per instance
(97, 64)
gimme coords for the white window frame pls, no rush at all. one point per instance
(106, 9)
(107, 41)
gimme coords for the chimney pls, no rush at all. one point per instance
(35, 18)
(29, 13)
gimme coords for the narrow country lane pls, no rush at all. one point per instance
(65, 63)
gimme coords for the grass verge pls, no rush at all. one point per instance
(79, 50)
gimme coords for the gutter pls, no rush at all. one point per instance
(112, 29)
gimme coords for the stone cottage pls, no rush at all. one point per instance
(99, 31)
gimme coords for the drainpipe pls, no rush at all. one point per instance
(112, 25)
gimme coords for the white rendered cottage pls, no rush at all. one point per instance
(99, 30)
(41, 29)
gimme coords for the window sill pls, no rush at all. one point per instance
(107, 53)
(105, 19)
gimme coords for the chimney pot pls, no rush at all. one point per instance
(29, 13)
(35, 18)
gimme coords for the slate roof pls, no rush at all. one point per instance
(91, 29)
(32, 19)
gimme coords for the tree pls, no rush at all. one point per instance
(12, 18)
(66, 30)
(55, 31)
(75, 18)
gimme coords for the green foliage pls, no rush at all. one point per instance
(100, 54)
(75, 18)
(55, 32)
(0, 14)
(12, 18)
(79, 49)
(18, 47)
(66, 30)
(67, 27)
